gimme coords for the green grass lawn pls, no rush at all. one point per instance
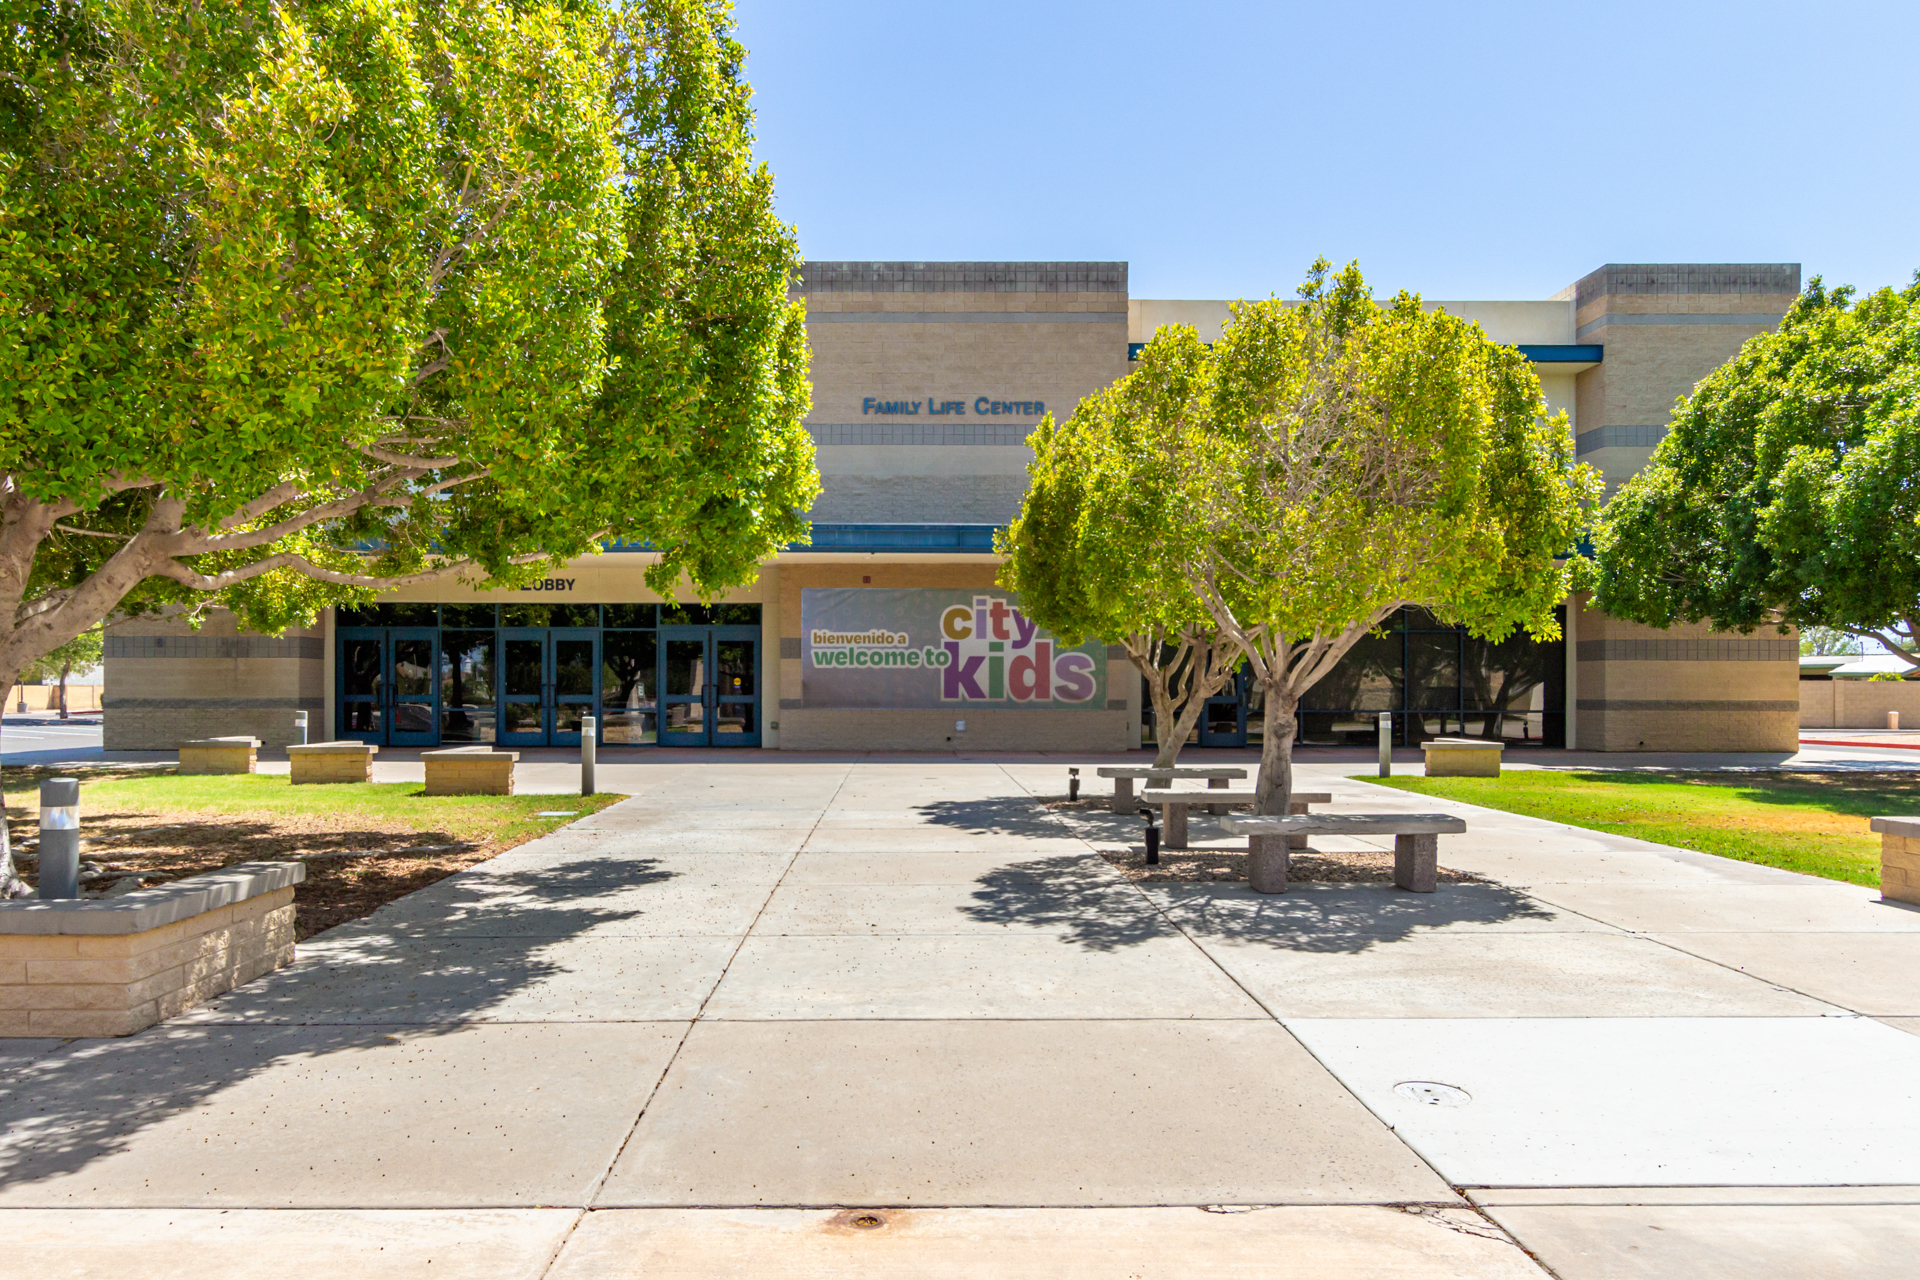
(1814, 823)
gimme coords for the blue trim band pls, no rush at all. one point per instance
(899, 537)
(1562, 353)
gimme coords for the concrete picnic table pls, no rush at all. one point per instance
(1124, 775)
(1174, 808)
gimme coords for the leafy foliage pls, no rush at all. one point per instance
(1099, 544)
(1784, 490)
(1339, 458)
(306, 298)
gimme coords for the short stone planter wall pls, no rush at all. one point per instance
(469, 771)
(332, 762)
(1462, 758)
(219, 755)
(84, 967)
(1899, 858)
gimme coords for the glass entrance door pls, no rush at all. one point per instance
(547, 684)
(710, 686)
(389, 687)
(414, 707)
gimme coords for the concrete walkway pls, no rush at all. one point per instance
(816, 1018)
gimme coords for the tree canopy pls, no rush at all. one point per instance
(1345, 458)
(1098, 545)
(1783, 493)
(305, 298)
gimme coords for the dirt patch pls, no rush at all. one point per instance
(354, 864)
(1189, 866)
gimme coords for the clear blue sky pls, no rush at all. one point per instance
(1466, 150)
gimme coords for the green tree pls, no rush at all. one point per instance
(84, 652)
(1355, 457)
(309, 298)
(1822, 642)
(1783, 493)
(1096, 548)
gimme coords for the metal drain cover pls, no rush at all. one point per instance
(1433, 1094)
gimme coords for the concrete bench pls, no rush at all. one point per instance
(1416, 851)
(1124, 777)
(219, 755)
(332, 762)
(1173, 810)
(1899, 858)
(111, 966)
(469, 771)
(1462, 757)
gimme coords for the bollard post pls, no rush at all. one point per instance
(1152, 837)
(300, 723)
(589, 730)
(60, 838)
(1073, 784)
(1385, 722)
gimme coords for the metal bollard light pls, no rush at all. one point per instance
(300, 723)
(589, 730)
(1153, 838)
(1073, 784)
(1385, 721)
(60, 838)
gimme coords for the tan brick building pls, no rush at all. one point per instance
(887, 632)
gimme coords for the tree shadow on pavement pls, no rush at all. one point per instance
(346, 996)
(1105, 914)
(997, 815)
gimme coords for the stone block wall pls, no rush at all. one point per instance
(332, 766)
(1687, 688)
(166, 682)
(476, 775)
(115, 984)
(1665, 326)
(1858, 704)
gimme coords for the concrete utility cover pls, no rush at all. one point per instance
(1642, 1101)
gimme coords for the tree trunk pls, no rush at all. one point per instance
(64, 673)
(1189, 716)
(1276, 752)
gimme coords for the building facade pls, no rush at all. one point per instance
(887, 631)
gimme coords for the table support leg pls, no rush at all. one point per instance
(1267, 864)
(1416, 862)
(1123, 795)
(1173, 823)
(1297, 842)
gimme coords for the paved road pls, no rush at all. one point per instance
(778, 1017)
(34, 739)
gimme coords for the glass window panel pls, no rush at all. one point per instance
(413, 668)
(1222, 716)
(625, 728)
(360, 666)
(1433, 671)
(684, 615)
(467, 615)
(686, 667)
(361, 717)
(628, 674)
(466, 724)
(1368, 678)
(521, 717)
(685, 717)
(574, 615)
(351, 615)
(1418, 619)
(734, 717)
(526, 615)
(467, 684)
(734, 667)
(413, 717)
(1337, 729)
(525, 663)
(736, 615)
(566, 716)
(632, 615)
(573, 668)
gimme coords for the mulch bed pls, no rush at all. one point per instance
(351, 871)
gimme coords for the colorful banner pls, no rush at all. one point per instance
(922, 647)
